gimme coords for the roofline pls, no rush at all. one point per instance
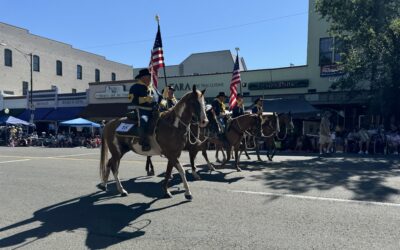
(65, 44)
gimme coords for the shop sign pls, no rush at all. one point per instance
(331, 70)
(278, 85)
(113, 92)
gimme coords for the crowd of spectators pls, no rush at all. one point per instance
(372, 140)
(14, 136)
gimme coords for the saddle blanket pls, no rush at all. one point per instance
(128, 128)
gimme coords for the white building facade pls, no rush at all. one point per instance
(54, 64)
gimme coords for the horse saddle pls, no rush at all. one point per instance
(129, 126)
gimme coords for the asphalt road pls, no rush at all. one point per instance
(49, 200)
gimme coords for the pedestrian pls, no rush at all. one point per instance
(325, 139)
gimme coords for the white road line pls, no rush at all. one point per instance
(388, 204)
(61, 156)
(1, 162)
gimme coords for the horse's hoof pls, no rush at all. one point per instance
(102, 188)
(239, 169)
(167, 195)
(188, 197)
(124, 194)
(152, 173)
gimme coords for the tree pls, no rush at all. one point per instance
(369, 31)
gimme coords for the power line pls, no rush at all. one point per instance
(200, 32)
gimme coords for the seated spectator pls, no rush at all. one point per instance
(350, 141)
(364, 139)
(393, 140)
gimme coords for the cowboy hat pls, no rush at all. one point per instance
(142, 72)
(221, 94)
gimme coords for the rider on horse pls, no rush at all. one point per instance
(169, 98)
(219, 108)
(238, 109)
(141, 95)
(258, 107)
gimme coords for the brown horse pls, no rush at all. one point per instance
(169, 139)
(236, 131)
(275, 127)
(198, 140)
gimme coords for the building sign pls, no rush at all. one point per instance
(188, 87)
(331, 70)
(278, 85)
(113, 92)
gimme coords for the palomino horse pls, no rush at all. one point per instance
(235, 133)
(275, 127)
(197, 140)
(169, 140)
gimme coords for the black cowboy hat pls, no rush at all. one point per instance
(239, 96)
(142, 72)
(256, 100)
(221, 94)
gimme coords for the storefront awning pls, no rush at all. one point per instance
(97, 112)
(39, 114)
(299, 108)
(64, 113)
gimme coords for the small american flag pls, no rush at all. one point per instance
(234, 82)
(157, 58)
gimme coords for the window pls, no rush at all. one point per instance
(73, 91)
(8, 57)
(329, 51)
(59, 68)
(25, 88)
(79, 72)
(113, 76)
(97, 75)
(36, 63)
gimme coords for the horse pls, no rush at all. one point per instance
(197, 140)
(272, 128)
(238, 126)
(168, 139)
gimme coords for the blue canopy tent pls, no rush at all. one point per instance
(8, 119)
(80, 122)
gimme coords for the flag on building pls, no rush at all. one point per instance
(234, 82)
(157, 58)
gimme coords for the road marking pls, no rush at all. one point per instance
(1, 162)
(62, 156)
(388, 204)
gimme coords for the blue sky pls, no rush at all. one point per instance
(269, 33)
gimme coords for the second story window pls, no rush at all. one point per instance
(36, 63)
(79, 72)
(8, 57)
(97, 75)
(59, 68)
(113, 76)
(329, 51)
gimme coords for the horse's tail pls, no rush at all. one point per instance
(104, 154)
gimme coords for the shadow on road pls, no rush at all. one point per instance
(105, 224)
(364, 177)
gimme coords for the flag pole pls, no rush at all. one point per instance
(165, 75)
(237, 55)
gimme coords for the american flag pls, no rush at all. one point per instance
(234, 82)
(157, 58)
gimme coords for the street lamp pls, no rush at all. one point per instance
(31, 108)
